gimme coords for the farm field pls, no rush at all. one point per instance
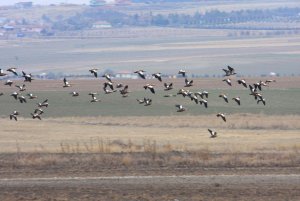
(119, 137)
(200, 52)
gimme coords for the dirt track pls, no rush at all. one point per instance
(208, 187)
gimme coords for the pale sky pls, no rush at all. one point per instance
(44, 2)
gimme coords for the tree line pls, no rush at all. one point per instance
(211, 19)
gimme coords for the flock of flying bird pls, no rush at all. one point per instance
(108, 87)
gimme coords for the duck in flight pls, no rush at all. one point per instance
(14, 115)
(141, 73)
(213, 134)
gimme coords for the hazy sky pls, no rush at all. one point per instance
(44, 2)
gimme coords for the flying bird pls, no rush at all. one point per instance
(74, 93)
(150, 87)
(261, 99)
(224, 97)
(213, 134)
(31, 96)
(204, 102)
(21, 87)
(141, 73)
(228, 81)
(147, 101)
(94, 71)
(168, 86)
(120, 85)
(66, 83)
(8, 82)
(36, 116)
(237, 100)
(124, 92)
(2, 72)
(107, 91)
(243, 82)
(188, 83)
(107, 76)
(222, 116)
(180, 108)
(22, 99)
(157, 76)
(13, 70)
(27, 77)
(15, 95)
(229, 71)
(14, 115)
(182, 72)
(94, 99)
(108, 84)
(43, 104)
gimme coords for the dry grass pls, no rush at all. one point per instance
(93, 134)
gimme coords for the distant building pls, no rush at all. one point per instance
(96, 3)
(8, 27)
(126, 75)
(23, 5)
(101, 25)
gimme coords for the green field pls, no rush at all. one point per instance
(279, 101)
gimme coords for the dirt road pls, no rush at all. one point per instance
(207, 187)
